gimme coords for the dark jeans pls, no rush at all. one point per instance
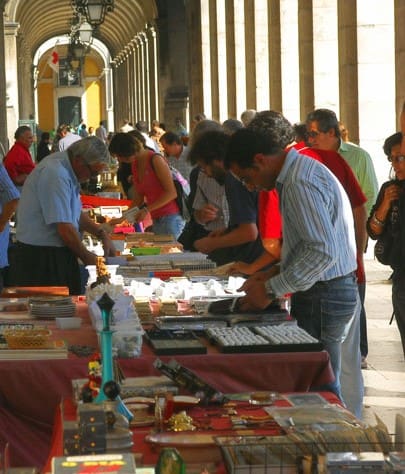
(326, 311)
(398, 303)
(363, 321)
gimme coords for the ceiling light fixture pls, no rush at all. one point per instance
(94, 10)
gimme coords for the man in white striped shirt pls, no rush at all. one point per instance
(319, 252)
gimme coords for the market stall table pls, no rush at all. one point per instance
(30, 390)
(196, 447)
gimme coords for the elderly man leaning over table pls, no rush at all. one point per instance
(319, 250)
(50, 219)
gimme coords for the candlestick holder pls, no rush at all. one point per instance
(106, 304)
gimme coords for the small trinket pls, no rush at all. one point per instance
(181, 422)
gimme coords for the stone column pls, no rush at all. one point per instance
(306, 57)
(109, 98)
(146, 77)
(3, 92)
(399, 15)
(289, 59)
(206, 59)
(139, 79)
(195, 61)
(325, 54)
(125, 89)
(10, 58)
(153, 74)
(262, 70)
(221, 55)
(131, 80)
(240, 56)
(250, 54)
(376, 79)
(25, 88)
(348, 71)
(212, 51)
(230, 58)
(274, 55)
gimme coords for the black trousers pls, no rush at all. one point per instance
(34, 265)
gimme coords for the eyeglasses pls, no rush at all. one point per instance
(396, 159)
(94, 169)
(313, 133)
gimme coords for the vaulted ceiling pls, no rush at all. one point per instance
(41, 20)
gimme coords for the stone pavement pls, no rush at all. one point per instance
(384, 379)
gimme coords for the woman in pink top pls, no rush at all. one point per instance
(154, 190)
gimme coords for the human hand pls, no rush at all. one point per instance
(391, 193)
(141, 215)
(208, 213)
(205, 245)
(258, 277)
(115, 221)
(256, 297)
(217, 233)
(240, 267)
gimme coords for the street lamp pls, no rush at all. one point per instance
(78, 49)
(85, 32)
(94, 10)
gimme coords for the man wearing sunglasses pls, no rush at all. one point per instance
(50, 219)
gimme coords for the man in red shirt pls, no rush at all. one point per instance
(18, 161)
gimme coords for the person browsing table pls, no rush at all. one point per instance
(50, 219)
(318, 257)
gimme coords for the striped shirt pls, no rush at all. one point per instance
(209, 191)
(318, 230)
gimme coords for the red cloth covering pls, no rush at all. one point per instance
(96, 201)
(209, 420)
(18, 161)
(30, 390)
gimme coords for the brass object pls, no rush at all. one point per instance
(181, 422)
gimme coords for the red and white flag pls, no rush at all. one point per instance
(53, 60)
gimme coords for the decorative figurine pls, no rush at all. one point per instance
(92, 388)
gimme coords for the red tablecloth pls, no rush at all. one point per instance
(219, 425)
(31, 390)
(97, 201)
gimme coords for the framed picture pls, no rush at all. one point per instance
(70, 72)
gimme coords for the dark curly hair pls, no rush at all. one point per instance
(268, 133)
(209, 146)
(391, 141)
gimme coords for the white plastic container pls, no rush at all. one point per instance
(68, 323)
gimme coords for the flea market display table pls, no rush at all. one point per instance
(31, 390)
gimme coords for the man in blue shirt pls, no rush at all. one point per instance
(319, 252)
(9, 196)
(50, 218)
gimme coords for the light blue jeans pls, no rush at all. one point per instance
(326, 311)
(171, 224)
(351, 377)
